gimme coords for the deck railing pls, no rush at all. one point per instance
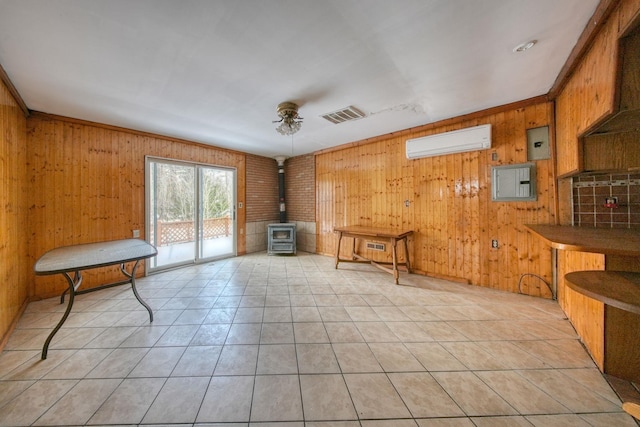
(183, 231)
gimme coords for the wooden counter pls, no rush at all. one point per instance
(612, 241)
(592, 304)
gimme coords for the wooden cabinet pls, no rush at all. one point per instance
(628, 108)
(598, 111)
(587, 99)
(617, 151)
(615, 145)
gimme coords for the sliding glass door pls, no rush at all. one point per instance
(190, 212)
(216, 235)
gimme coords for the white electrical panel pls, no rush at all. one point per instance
(538, 143)
(513, 183)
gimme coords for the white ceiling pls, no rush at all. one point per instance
(213, 71)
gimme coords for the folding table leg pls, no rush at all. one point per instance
(73, 285)
(132, 278)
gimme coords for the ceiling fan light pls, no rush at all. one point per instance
(290, 122)
(524, 46)
(288, 128)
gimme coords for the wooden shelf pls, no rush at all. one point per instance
(620, 289)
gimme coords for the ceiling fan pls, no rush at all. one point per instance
(290, 122)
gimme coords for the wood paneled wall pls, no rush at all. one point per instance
(88, 186)
(449, 201)
(15, 190)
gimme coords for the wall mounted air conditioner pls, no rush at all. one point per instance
(457, 141)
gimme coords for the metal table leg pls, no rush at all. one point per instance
(132, 278)
(73, 285)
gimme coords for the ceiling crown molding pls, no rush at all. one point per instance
(4, 77)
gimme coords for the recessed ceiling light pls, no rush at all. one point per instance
(525, 46)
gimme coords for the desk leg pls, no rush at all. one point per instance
(338, 249)
(554, 273)
(77, 281)
(132, 277)
(394, 259)
(73, 285)
(353, 248)
(406, 254)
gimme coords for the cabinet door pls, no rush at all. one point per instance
(568, 154)
(618, 151)
(587, 99)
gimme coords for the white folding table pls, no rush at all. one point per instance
(76, 258)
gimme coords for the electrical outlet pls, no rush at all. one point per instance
(494, 244)
(136, 234)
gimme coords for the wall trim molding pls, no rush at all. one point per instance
(4, 77)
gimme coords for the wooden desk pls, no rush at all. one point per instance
(67, 259)
(376, 234)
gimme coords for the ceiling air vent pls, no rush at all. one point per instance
(344, 115)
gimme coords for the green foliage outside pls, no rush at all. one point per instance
(174, 189)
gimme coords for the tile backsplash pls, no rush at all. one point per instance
(592, 193)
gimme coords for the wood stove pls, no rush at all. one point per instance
(281, 238)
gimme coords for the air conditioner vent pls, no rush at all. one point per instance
(457, 141)
(376, 246)
(344, 115)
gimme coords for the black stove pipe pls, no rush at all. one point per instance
(283, 207)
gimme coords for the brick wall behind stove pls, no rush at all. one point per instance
(261, 189)
(262, 206)
(300, 188)
(262, 200)
(590, 194)
(300, 192)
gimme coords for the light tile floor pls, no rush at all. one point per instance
(290, 341)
